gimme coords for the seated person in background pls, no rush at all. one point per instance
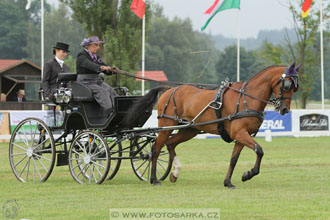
(3, 97)
(20, 96)
(52, 68)
(89, 65)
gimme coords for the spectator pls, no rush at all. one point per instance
(3, 97)
(20, 96)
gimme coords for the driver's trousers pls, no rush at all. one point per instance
(102, 92)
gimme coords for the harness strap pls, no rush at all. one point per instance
(175, 117)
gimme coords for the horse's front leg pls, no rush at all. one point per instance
(156, 148)
(234, 157)
(246, 139)
(256, 169)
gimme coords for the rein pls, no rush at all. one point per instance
(165, 82)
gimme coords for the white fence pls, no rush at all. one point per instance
(297, 123)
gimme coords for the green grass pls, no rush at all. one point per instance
(294, 183)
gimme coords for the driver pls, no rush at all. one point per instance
(89, 65)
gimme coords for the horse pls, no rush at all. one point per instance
(241, 106)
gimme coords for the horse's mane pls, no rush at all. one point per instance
(265, 69)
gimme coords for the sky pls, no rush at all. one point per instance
(255, 15)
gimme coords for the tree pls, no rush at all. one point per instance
(306, 51)
(183, 54)
(13, 28)
(59, 26)
(227, 64)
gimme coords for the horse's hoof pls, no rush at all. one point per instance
(229, 185)
(157, 183)
(173, 179)
(245, 176)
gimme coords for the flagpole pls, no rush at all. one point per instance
(321, 47)
(42, 43)
(238, 44)
(143, 60)
(42, 38)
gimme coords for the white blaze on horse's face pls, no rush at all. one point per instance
(176, 167)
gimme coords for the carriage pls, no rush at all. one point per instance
(90, 142)
(93, 144)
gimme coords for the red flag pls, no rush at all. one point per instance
(139, 8)
(305, 8)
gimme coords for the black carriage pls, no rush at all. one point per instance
(91, 143)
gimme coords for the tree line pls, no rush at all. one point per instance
(184, 54)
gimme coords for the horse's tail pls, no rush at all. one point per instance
(142, 105)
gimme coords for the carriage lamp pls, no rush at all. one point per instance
(67, 96)
(63, 95)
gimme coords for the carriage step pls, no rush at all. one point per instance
(62, 159)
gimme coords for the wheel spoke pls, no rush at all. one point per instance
(34, 168)
(24, 168)
(44, 141)
(42, 165)
(83, 149)
(18, 154)
(98, 170)
(145, 169)
(34, 134)
(165, 161)
(77, 153)
(20, 161)
(160, 175)
(93, 155)
(141, 165)
(98, 164)
(44, 150)
(94, 174)
(28, 169)
(24, 140)
(90, 174)
(38, 171)
(78, 164)
(41, 157)
(161, 165)
(20, 146)
(25, 136)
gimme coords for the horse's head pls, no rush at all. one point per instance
(285, 87)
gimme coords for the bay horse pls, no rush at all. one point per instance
(242, 110)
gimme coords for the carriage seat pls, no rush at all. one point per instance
(80, 92)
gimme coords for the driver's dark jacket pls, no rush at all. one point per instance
(88, 74)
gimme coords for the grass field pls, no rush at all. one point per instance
(294, 183)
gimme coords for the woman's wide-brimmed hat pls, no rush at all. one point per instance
(62, 46)
(91, 40)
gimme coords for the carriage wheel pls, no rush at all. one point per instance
(89, 158)
(32, 151)
(141, 159)
(115, 155)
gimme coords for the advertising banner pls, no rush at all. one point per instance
(46, 116)
(276, 122)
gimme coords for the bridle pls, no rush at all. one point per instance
(286, 87)
(277, 102)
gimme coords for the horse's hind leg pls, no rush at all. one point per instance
(247, 140)
(182, 136)
(234, 157)
(156, 148)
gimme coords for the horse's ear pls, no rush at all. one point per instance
(293, 65)
(298, 67)
(291, 68)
